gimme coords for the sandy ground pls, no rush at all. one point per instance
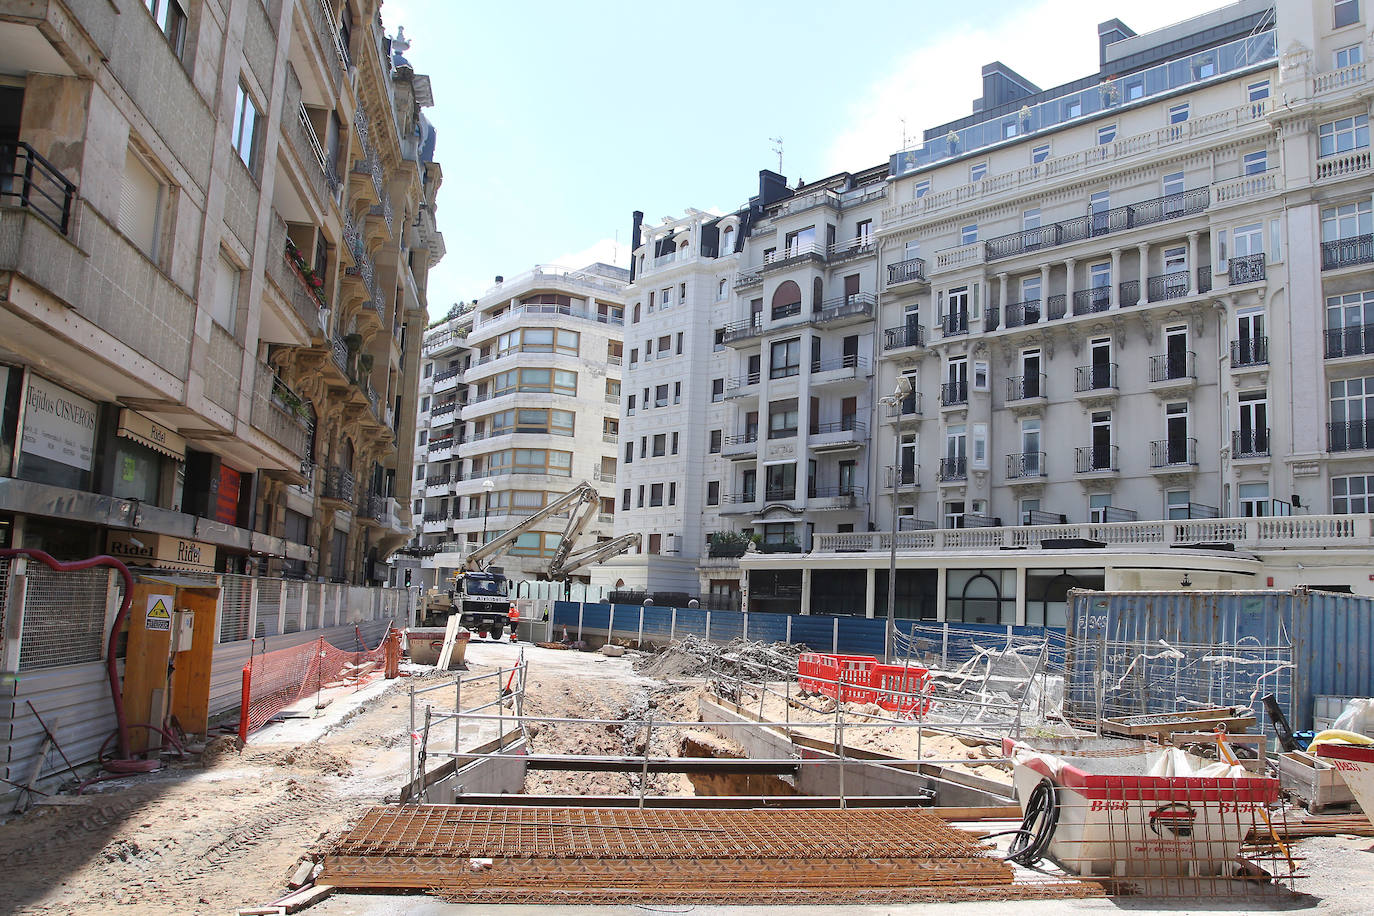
(227, 832)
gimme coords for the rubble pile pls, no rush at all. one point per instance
(693, 657)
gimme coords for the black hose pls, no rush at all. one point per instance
(1037, 827)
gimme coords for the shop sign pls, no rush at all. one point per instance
(155, 436)
(142, 548)
(58, 425)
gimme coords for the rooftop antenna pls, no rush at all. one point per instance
(903, 120)
(777, 148)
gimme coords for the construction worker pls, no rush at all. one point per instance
(514, 616)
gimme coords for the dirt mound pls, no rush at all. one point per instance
(220, 748)
(309, 757)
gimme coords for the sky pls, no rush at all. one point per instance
(557, 120)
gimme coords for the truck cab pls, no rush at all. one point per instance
(482, 599)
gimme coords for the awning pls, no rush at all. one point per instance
(145, 432)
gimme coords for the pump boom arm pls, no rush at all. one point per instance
(582, 502)
(593, 553)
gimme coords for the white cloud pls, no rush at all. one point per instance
(607, 251)
(1049, 43)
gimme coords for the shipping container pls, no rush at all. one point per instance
(1142, 653)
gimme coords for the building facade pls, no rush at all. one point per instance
(519, 402)
(218, 221)
(1128, 314)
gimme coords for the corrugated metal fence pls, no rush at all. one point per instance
(950, 643)
(62, 621)
(1138, 653)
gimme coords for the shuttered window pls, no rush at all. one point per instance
(140, 204)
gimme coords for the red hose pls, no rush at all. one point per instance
(111, 663)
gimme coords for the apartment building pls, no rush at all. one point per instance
(519, 402)
(1119, 330)
(218, 219)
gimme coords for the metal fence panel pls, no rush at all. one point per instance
(235, 602)
(726, 625)
(815, 632)
(862, 636)
(291, 605)
(269, 607)
(768, 627)
(64, 617)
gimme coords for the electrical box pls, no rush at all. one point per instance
(183, 630)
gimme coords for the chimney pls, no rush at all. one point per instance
(500, 279)
(636, 237)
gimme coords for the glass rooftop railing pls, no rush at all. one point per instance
(1108, 95)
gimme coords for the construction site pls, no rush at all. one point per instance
(647, 757)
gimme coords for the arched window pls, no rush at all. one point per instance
(981, 595)
(786, 300)
(727, 241)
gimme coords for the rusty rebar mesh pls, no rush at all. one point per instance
(605, 855)
(481, 832)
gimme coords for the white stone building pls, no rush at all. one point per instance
(1134, 310)
(519, 402)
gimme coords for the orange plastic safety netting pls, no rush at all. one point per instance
(275, 680)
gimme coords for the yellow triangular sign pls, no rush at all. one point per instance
(159, 616)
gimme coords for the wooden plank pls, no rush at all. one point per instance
(191, 682)
(145, 665)
(450, 634)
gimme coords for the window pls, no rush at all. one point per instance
(661, 395)
(678, 349)
(639, 497)
(863, 231)
(677, 392)
(419, 472)
(1178, 114)
(629, 452)
(634, 314)
(717, 390)
(655, 494)
(781, 481)
(1347, 221)
(1205, 67)
(1352, 410)
(978, 445)
(1346, 12)
(682, 292)
(1349, 57)
(1343, 135)
(1073, 108)
(1176, 504)
(424, 436)
(722, 289)
(714, 447)
(1135, 88)
(247, 122)
(969, 234)
(660, 445)
(1040, 153)
(625, 499)
(713, 492)
(1258, 92)
(424, 404)
(784, 358)
(978, 171)
(749, 485)
(225, 305)
(1254, 500)
(1008, 130)
(922, 188)
(1098, 504)
(630, 405)
(675, 440)
(1350, 324)
(782, 419)
(141, 196)
(429, 369)
(1248, 240)
(1256, 162)
(1352, 495)
(1172, 184)
(1106, 134)
(1030, 219)
(672, 493)
(980, 375)
(954, 513)
(171, 19)
(667, 297)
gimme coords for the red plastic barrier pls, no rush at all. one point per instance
(824, 674)
(893, 685)
(860, 679)
(273, 681)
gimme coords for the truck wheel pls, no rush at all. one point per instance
(496, 631)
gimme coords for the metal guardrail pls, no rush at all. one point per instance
(32, 183)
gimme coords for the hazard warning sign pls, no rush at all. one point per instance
(159, 613)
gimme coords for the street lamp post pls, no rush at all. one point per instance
(899, 394)
(487, 487)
